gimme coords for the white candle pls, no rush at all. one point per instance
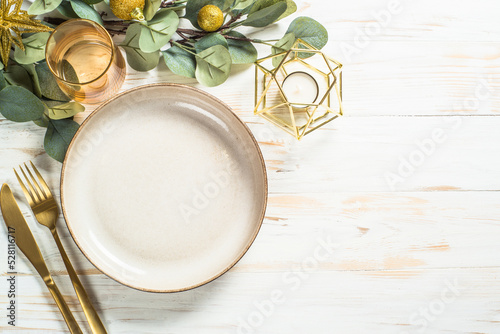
(300, 87)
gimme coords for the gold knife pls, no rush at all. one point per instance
(25, 241)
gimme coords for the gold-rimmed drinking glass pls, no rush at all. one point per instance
(88, 66)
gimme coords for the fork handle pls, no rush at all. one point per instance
(63, 307)
(92, 317)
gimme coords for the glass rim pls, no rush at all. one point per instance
(99, 27)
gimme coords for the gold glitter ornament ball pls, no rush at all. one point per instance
(123, 9)
(210, 18)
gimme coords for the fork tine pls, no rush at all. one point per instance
(46, 188)
(25, 190)
(36, 197)
(39, 190)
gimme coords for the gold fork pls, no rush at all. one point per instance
(46, 212)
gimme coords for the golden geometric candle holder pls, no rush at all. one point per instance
(285, 108)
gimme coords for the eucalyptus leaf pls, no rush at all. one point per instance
(42, 121)
(242, 52)
(65, 110)
(242, 7)
(180, 61)
(194, 6)
(209, 41)
(43, 6)
(69, 71)
(242, 4)
(18, 76)
(291, 7)
(85, 11)
(265, 16)
(150, 8)
(284, 44)
(66, 9)
(261, 4)
(34, 48)
(136, 58)
(1, 66)
(310, 31)
(92, 2)
(47, 24)
(20, 105)
(30, 68)
(158, 32)
(58, 136)
(227, 4)
(50, 104)
(48, 84)
(213, 65)
(3, 83)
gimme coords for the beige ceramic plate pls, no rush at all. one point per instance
(164, 188)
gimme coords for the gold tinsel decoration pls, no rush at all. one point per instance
(13, 23)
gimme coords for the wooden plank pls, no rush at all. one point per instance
(402, 153)
(396, 232)
(318, 301)
(384, 78)
(424, 20)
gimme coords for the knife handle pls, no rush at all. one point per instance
(95, 322)
(63, 307)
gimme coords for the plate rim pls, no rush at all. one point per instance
(231, 112)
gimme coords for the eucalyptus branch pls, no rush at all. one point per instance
(184, 37)
(231, 24)
(265, 43)
(225, 16)
(185, 44)
(116, 23)
(231, 21)
(183, 47)
(192, 32)
(235, 24)
(239, 38)
(248, 40)
(231, 27)
(121, 25)
(113, 32)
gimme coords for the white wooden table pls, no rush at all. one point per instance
(386, 220)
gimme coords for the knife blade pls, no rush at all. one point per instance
(24, 239)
